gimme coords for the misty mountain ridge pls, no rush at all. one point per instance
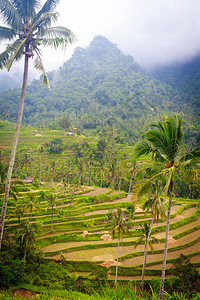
(99, 85)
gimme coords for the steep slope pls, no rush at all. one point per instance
(99, 85)
(186, 78)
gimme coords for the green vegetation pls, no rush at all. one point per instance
(100, 86)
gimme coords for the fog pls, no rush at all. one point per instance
(154, 32)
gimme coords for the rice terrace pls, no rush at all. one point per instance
(71, 221)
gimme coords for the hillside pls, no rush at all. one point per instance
(185, 77)
(99, 85)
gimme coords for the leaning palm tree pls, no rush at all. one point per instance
(119, 224)
(163, 141)
(29, 26)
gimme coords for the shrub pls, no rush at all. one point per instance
(186, 280)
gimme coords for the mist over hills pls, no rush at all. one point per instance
(100, 85)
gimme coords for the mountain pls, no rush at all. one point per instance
(185, 77)
(99, 85)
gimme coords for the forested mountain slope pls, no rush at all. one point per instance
(99, 85)
(186, 78)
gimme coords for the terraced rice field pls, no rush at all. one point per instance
(78, 235)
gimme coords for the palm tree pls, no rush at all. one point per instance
(26, 236)
(41, 152)
(154, 203)
(132, 174)
(122, 165)
(52, 204)
(119, 224)
(32, 203)
(19, 211)
(145, 235)
(163, 142)
(26, 161)
(29, 26)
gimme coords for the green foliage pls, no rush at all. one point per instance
(11, 269)
(177, 296)
(64, 122)
(187, 275)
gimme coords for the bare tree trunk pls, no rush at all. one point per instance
(14, 148)
(117, 259)
(166, 241)
(145, 256)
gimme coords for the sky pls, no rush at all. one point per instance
(154, 32)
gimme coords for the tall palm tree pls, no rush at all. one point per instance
(29, 26)
(155, 204)
(119, 224)
(52, 204)
(145, 236)
(32, 204)
(132, 173)
(19, 211)
(163, 141)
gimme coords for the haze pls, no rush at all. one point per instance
(154, 32)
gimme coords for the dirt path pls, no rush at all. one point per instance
(96, 192)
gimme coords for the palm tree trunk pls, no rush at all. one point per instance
(52, 219)
(25, 254)
(90, 174)
(145, 256)
(100, 189)
(40, 170)
(120, 181)
(130, 185)
(117, 259)
(14, 148)
(166, 241)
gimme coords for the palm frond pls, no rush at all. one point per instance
(192, 156)
(170, 175)
(55, 43)
(61, 34)
(144, 187)
(15, 52)
(158, 142)
(45, 21)
(26, 9)
(10, 14)
(142, 148)
(7, 33)
(3, 59)
(165, 136)
(48, 7)
(39, 66)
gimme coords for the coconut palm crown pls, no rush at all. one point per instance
(30, 25)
